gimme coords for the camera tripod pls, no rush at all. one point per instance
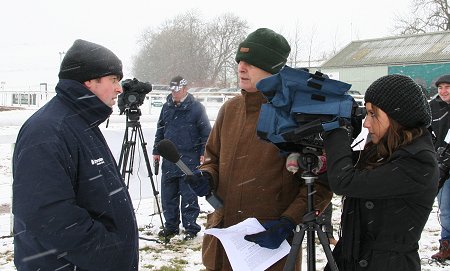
(126, 160)
(309, 225)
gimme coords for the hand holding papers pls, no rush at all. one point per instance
(245, 255)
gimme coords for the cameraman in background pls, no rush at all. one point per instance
(183, 120)
(440, 125)
(72, 210)
(389, 191)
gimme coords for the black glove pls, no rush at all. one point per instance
(443, 174)
(200, 182)
(443, 158)
(276, 232)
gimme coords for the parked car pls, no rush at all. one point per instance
(157, 103)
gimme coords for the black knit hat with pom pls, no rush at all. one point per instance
(401, 99)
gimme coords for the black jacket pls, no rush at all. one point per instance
(71, 207)
(440, 124)
(386, 208)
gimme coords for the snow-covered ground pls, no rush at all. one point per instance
(155, 256)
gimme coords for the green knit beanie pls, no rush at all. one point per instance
(264, 49)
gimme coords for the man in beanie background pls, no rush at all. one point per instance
(183, 120)
(440, 108)
(72, 210)
(246, 172)
(389, 191)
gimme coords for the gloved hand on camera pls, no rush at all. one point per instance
(200, 182)
(276, 232)
(443, 158)
(294, 162)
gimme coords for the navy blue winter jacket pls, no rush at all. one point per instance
(71, 208)
(188, 127)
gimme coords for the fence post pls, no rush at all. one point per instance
(11, 216)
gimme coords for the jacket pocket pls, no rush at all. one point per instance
(212, 250)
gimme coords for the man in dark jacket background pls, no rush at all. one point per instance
(183, 120)
(440, 108)
(71, 208)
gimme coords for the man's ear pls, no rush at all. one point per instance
(88, 84)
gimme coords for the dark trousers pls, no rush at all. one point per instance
(175, 191)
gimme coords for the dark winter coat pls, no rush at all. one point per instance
(251, 177)
(71, 207)
(386, 208)
(440, 124)
(188, 127)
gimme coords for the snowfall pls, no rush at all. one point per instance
(154, 255)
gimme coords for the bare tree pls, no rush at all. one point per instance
(224, 35)
(310, 45)
(179, 46)
(426, 16)
(295, 43)
(201, 52)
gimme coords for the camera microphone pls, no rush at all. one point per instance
(156, 166)
(169, 151)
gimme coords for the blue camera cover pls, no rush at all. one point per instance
(295, 94)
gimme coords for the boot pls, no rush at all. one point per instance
(444, 251)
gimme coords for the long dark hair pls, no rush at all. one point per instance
(396, 136)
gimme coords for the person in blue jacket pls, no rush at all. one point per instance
(183, 120)
(71, 208)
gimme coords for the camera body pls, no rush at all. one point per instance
(133, 95)
(302, 105)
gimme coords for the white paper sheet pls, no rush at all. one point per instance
(245, 255)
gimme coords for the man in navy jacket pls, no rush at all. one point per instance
(183, 120)
(71, 208)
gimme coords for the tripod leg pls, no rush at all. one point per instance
(295, 248)
(128, 148)
(311, 249)
(149, 170)
(326, 247)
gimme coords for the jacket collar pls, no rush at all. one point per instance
(185, 103)
(85, 103)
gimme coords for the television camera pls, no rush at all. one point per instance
(132, 97)
(301, 106)
(129, 100)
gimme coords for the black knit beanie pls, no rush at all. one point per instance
(264, 49)
(86, 60)
(443, 79)
(401, 99)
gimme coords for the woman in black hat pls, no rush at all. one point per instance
(389, 191)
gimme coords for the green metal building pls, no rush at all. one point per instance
(423, 57)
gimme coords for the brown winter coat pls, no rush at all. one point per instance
(250, 177)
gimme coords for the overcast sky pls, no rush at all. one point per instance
(34, 32)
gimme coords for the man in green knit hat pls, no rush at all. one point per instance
(248, 173)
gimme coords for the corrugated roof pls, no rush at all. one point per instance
(420, 48)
